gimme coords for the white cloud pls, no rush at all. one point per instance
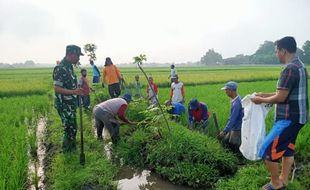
(165, 30)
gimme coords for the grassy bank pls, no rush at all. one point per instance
(180, 155)
(64, 170)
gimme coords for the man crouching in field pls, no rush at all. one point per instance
(232, 131)
(65, 86)
(198, 114)
(105, 116)
(291, 99)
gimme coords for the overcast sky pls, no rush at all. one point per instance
(164, 30)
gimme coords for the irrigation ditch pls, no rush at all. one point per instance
(37, 154)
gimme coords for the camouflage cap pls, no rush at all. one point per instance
(74, 49)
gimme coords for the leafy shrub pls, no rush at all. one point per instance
(182, 156)
(253, 177)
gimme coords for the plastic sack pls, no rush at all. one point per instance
(253, 127)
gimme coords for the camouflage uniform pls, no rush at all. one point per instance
(66, 105)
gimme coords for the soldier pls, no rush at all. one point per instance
(66, 91)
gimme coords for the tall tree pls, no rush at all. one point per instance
(211, 58)
(306, 52)
(265, 54)
(237, 60)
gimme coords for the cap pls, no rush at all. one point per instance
(127, 97)
(231, 85)
(74, 49)
(193, 104)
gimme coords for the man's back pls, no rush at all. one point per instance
(113, 105)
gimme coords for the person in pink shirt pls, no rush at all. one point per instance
(151, 95)
(84, 84)
(106, 114)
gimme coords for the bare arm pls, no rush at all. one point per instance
(279, 97)
(65, 91)
(265, 95)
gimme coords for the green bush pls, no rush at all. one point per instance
(182, 156)
(254, 177)
(304, 177)
(184, 148)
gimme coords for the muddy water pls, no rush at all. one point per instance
(38, 166)
(130, 179)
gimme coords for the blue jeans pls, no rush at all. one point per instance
(86, 101)
(96, 79)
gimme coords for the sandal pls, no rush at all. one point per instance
(268, 186)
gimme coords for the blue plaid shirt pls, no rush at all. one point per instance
(294, 78)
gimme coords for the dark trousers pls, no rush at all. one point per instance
(68, 118)
(233, 140)
(103, 119)
(114, 90)
(96, 79)
(86, 101)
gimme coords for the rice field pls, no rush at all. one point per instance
(27, 94)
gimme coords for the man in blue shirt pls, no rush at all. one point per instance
(176, 109)
(232, 131)
(96, 72)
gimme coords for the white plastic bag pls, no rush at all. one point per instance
(253, 127)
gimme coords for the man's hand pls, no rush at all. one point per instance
(183, 101)
(132, 123)
(191, 126)
(257, 100)
(78, 91)
(128, 123)
(221, 135)
(259, 94)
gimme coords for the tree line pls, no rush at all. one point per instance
(265, 54)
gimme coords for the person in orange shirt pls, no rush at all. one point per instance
(112, 77)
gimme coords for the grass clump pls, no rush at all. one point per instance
(182, 156)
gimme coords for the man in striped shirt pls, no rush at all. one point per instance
(291, 99)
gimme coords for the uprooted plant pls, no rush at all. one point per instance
(90, 50)
(139, 60)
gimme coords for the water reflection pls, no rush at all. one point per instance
(130, 179)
